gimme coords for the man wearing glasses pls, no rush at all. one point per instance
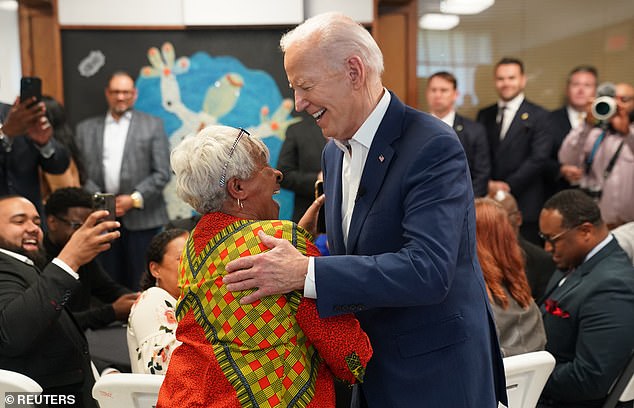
(127, 154)
(66, 210)
(588, 307)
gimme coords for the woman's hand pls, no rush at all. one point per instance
(309, 220)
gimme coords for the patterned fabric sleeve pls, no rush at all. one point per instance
(152, 332)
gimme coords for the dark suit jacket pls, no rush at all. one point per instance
(19, 168)
(94, 282)
(476, 146)
(38, 336)
(521, 158)
(145, 167)
(414, 282)
(539, 267)
(300, 162)
(559, 127)
(593, 340)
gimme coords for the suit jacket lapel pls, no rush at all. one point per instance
(376, 165)
(516, 127)
(128, 150)
(585, 268)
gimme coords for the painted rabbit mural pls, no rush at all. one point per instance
(190, 93)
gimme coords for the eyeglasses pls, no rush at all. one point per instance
(223, 176)
(74, 225)
(554, 239)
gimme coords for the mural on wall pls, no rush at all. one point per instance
(189, 93)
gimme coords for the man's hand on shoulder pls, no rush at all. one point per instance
(123, 304)
(88, 241)
(275, 272)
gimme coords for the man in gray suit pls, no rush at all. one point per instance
(127, 154)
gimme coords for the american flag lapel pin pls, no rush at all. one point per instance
(381, 158)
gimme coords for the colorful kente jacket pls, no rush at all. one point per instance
(276, 352)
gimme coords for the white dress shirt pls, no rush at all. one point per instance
(114, 136)
(575, 117)
(449, 118)
(352, 169)
(512, 107)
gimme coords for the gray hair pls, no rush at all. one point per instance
(339, 37)
(198, 163)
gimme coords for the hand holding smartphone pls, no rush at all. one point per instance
(104, 202)
(319, 188)
(30, 87)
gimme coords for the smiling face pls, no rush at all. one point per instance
(20, 226)
(260, 189)
(509, 81)
(324, 93)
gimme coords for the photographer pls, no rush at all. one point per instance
(600, 159)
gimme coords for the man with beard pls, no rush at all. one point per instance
(38, 336)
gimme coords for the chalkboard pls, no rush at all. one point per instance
(127, 50)
(247, 60)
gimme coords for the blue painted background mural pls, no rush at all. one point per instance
(189, 93)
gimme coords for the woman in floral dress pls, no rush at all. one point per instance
(152, 323)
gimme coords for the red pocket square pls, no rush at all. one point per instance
(552, 307)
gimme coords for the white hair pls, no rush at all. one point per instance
(338, 37)
(198, 163)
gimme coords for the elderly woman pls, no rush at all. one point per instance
(275, 352)
(517, 317)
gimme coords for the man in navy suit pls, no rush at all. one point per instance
(520, 144)
(588, 308)
(580, 92)
(400, 223)
(442, 94)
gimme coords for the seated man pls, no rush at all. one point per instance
(588, 309)
(66, 210)
(38, 337)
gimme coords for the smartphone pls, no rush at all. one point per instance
(30, 87)
(104, 202)
(319, 188)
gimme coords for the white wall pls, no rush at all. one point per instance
(205, 12)
(10, 68)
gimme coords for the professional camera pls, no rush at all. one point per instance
(604, 105)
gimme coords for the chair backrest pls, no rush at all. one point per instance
(526, 374)
(127, 390)
(10, 381)
(623, 388)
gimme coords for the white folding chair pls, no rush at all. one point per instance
(10, 381)
(127, 390)
(526, 374)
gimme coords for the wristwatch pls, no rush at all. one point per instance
(137, 200)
